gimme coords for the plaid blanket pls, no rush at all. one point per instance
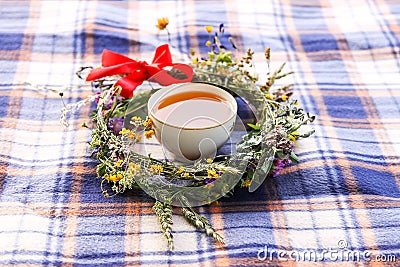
(340, 205)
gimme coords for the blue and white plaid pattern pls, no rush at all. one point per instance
(343, 193)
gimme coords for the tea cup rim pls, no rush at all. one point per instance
(232, 101)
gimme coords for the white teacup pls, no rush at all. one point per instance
(195, 127)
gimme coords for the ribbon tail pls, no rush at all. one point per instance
(164, 77)
(128, 86)
(162, 56)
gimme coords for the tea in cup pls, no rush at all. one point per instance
(192, 120)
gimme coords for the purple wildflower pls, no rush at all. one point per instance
(116, 124)
(279, 164)
(209, 180)
(97, 97)
(110, 102)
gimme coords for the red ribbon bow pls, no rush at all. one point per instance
(139, 71)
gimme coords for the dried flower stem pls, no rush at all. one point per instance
(164, 214)
(201, 222)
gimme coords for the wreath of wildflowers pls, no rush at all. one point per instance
(265, 149)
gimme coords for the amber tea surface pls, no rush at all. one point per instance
(193, 109)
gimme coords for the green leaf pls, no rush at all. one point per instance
(253, 126)
(264, 166)
(307, 134)
(118, 113)
(279, 154)
(101, 169)
(138, 104)
(294, 157)
(211, 55)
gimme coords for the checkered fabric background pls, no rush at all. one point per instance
(344, 193)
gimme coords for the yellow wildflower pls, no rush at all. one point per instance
(208, 43)
(149, 134)
(115, 177)
(131, 135)
(209, 160)
(134, 166)
(268, 96)
(148, 123)
(209, 28)
(195, 60)
(247, 183)
(119, 163)
(212, 174)
(180, 170)
(284, 97)
(162, 23)
(136, 119)
(124, 131)
(293, 136)
(156, 169)
(131, 171)
(186, 175)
